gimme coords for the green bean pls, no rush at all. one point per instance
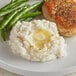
(11, 4)
(7, 19)
(13, 1)
(19, 15)
(3, 34)
(29, 19)
(17, 6)
(28, 15)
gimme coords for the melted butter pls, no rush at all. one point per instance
(41, 37)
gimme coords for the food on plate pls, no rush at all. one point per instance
(17, 10)
(37, 40)
(63, 12)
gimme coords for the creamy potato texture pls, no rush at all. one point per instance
(37, 40)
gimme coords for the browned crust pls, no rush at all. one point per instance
(64, 28)
(66, 19)
(47, 12)
(63, 12)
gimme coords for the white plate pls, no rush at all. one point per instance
(18, 65)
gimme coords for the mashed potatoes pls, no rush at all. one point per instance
(37, 40)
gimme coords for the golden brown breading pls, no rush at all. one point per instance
(63, 12)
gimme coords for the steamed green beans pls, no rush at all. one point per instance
(3, 34)
(12, 4)
(19, 15)
(7, 19)
(17, 10)
(28, 15)
(15, 7)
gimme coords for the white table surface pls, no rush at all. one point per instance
(6, 73)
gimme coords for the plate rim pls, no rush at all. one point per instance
(5, 65)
